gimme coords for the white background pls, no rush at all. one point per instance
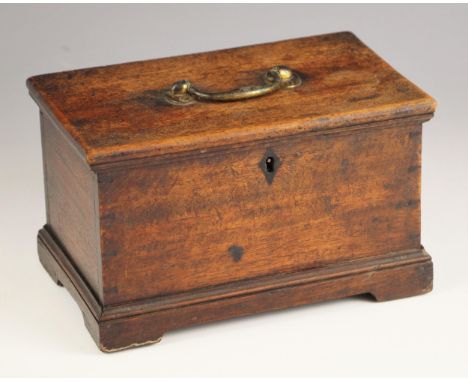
(41, 327)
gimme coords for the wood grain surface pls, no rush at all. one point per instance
(172, 227)
(71, 199)
(114, 113)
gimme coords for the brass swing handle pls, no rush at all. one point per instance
(184, 93)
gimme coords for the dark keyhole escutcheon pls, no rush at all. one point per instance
(269, 165)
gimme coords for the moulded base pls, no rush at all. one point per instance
(388, 277)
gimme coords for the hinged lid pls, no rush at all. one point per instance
(122, 112)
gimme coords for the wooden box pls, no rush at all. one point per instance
(173, 203)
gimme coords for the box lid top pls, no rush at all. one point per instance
(119, 112)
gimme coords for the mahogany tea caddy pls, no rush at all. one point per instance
(202, 187)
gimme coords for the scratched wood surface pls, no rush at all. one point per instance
(113, 112)
(206, 220)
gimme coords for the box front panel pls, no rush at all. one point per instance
(273, 207)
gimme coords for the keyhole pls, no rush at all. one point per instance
(270, 164)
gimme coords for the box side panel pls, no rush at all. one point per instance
(71, 192)
(206, 220)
